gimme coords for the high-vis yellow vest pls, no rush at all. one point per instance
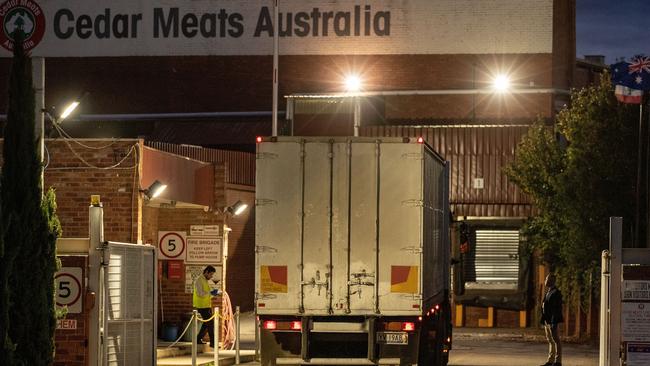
(202, 302)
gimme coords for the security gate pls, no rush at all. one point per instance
(127, 308)
(122, 277)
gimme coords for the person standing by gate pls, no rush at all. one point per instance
(202, 302)
(551, 317)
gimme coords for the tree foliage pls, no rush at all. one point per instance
(29, 231)
(579, 173)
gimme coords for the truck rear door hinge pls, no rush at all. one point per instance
(261, 155)
(265, 249)
(259, 296)
(412, 249)
(264, 202)
(414, 156)
(413, 203)
(414, 297)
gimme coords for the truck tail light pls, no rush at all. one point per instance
(408, 326)
(420, 140)
(270, 324)
(258, 139)
(296, 325)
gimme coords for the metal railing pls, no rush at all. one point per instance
(194, 325)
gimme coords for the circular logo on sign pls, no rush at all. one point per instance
(172, 245)
(68, 289)
(25, 15)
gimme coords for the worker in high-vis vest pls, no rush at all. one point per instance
(202, 302)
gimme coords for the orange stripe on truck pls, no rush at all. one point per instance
(273, 279)
(404, 279)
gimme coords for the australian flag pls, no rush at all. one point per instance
(631, 79)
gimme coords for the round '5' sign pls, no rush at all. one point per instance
(68, 288)
(171, 244)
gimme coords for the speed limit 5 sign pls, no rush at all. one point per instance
(171, 245)
(68, 283)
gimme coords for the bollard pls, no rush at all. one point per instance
(216, 336)
(237, 313)
(195, 334)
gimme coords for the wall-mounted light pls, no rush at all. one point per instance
(237, 209)
(154, 190)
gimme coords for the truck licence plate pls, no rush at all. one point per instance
(392, 337)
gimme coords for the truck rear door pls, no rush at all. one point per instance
(278, 227)
(400, 232)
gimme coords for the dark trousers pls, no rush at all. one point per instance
(206, 313)
(554, 343)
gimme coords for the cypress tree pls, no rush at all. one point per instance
(30, 227)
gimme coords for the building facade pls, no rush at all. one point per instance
(201, 74)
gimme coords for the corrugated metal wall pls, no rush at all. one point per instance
(240, 166)
(474, 151)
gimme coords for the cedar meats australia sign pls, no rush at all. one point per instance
(95, 28)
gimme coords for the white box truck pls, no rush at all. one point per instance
(352, 251)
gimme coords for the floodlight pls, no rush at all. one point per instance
(237, 209)
(154, 190)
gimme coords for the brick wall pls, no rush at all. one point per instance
(175, 302)
(72, 344)
(241, 249)
(172, 298)
(67, 172)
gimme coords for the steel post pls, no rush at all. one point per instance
(237, 313)
(615, 269)
(357, 115)
(215, 341)
(195, 334)
(604, 310)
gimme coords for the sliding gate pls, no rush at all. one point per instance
(128, 305)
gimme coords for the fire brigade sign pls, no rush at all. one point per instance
(88, 28)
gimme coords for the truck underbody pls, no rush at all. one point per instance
(357, 340)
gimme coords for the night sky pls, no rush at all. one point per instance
(613, 28)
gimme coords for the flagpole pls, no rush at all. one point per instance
(639, 166)
(644, 102)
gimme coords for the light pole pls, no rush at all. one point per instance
(353, 86)
(276, 50)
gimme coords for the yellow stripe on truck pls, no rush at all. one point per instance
(273, 279)
(404, 279)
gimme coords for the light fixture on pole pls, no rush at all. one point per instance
(236, 209)
(353, 86)
(353, 83)
(154, 190)
(67, 111)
